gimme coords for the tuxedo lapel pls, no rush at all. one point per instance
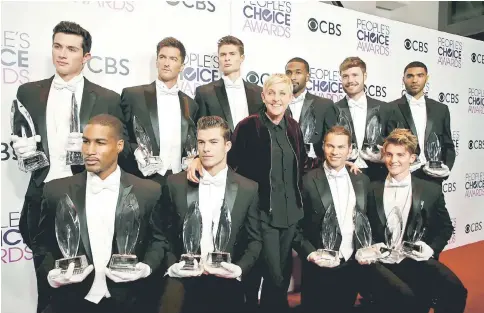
(359, 189)
(78, 193)
(87, 103)
(378, 194)
(430, 119)
(42, 114)
(236, 215)
(224, 102)
(417, 205)
(371, 110)
(252, 104)
(124, 190)
(186, 121)
(192, 197)
(308, 101)
(152, 106)
(407, 114)
(344, 108)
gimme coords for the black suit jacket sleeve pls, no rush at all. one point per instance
(301, 244)
(253, 228)
(126, 103)
(239, 145)
(202, 106)
(448, 143)
(440, 225)
(168, 221)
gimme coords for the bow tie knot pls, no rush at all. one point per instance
(208, 180)
(354, 104)
(163, 90)
(235, 85)
(98, 186)
(336, 175)
(61, 85)
(397, 184)
(297, 100)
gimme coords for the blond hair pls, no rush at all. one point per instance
(276, 79)
(402, 137)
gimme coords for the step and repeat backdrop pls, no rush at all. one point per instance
(125, 34)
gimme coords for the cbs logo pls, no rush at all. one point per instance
(449, 187)
(448, 97)
(108, 65)
(476, 144)
(325, 27)
(416, 45)
(477, 58)
(199, 5)
(254, 78)
(470, 228)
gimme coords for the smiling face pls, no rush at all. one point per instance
(398, 159)
(276, 97)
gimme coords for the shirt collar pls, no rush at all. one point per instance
(412, 100)
(219, 175)
(361, 101)
(300, 98)
(73, 81)
(113, 178)
(270, 124)
(332, 172)
(407, 179)
(228, 81)
(162, 86)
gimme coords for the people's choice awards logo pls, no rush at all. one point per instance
(120, 6)
(476, 101)
(474, 184)
(200, 69)
(449, 52)
(15, 57)
(325, 83)
(13, 247)
(272, 18)
(373, 37)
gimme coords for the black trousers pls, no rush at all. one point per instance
(277, 267)
(430, 280)
(106, 305)
(203, 294)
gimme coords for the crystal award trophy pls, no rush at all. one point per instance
(68, 235)
(74, 157)
(127, 229)
(363, 234)
(344, 121)
(328, 235)
(190, 148)
(393, 234)
(373, 133)
(415, 232)
(221, 239)
(24, 127)
(434, 150)
(152, 163)
(192, 235)
(308, 126)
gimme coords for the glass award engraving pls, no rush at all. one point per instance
(329, 231)
(74, 157)
(190, 148)
(363, 234)
(308, 126)
(435, 151)
(221, 239)
(153, 163)
(36, 159)
(393, 234)
(344, 121)
(373, 133)
(68, 235)
(192, 235)
(127, 229)
(415, 232)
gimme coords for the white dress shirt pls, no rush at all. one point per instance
(101, 202)
(169, 119)
(344, 201)
(398, 194)
(358, 111)
(297, 104)
(58, 113)
(237, 99)
(211, 195)
(419, 115)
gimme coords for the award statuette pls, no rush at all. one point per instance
(74, 157)
(373, 133)
(393, 234)
(434, 149)
(363, 234)
(221, 239)
(68, 235)
(308, 125)
(328, 235)
(344, 121)
(36, 159)
(415, 233)
(127, 229)
(190, 148)
(192, 235)
(153, 163)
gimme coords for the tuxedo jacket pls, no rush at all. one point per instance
(428, 199)
(374, 171)
(141, 101)
(317, 199)
(438, 122)
(150, 246)
(241, 197)
(212, 99)
(325, 113)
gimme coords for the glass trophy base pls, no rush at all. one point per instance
(153, 165)
(74, 158)
(35, 161)
(189, 261)
(214, 259)
(390, 255)
(435, 164)
(185, 163)
(354, 152)
(368, 253)
(79, 261)
(327, 254)
(410, 248)
(123, 262)
(371, 153)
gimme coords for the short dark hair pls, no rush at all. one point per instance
(110, 121)
(300, 60)
(172, 42)
(339, 130)
(415, 64)
(74, 29)
(231, 40)
(350, 62)
(207, 122)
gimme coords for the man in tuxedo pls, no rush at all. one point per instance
(166, 114)
(50, 103)
(416, 202)
(101, 200)
(308, 109)
(359, 110)
(230, 97)
(210, 289)
(423, 117)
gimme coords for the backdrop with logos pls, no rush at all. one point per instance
(125, 34)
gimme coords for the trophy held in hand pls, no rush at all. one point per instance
(371, 151)
(328, 235)
(24, 127)
(127, 230)
(435, 167)
(415, 232)
(366, 253)
(344, 121)
(214, 259)
(74, 157)
(393, 235)
(67, 232)
(192, 235)
(151, 164)
(190, 148)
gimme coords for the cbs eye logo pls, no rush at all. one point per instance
(448, 97)
(477, 58)
(325, 27)
(416, 45)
